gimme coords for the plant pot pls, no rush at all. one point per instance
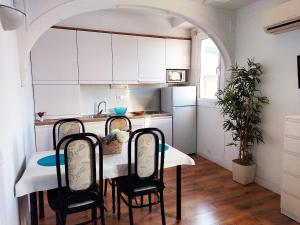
(243, 174)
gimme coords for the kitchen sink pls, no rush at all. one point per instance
(98, 116)
(150, 112)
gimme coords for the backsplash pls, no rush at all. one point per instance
(135, 97)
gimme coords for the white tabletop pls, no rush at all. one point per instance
(41, 178)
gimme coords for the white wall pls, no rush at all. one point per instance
(126, 20)
(211, 138)
(16, 130)
(277, 53)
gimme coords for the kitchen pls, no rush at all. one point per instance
(82, 67)
(163, 67)
(94, 73)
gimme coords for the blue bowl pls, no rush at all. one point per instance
(120, 111)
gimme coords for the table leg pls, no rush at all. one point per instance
(178, 192)
(33, 209)
(41, 205)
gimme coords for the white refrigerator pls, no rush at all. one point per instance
(181, 101)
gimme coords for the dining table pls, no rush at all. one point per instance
(37, 178)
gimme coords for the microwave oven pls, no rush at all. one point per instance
(176, 76)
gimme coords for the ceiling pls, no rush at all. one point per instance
(226, 4)
(173, 20)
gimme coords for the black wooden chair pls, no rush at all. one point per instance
(61, 129)
(66, 127)
(122, 123)
(81, 191)
(146, 178)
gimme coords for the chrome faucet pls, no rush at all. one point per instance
(101, 111)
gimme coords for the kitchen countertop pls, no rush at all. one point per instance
(87, 118)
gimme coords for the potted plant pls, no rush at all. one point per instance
(241, 104)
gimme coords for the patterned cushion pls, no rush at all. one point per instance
(79, 165)
(145, 155)
(120, 124)
(66, 129)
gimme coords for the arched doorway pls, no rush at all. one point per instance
(56, 12)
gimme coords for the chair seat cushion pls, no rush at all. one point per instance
(73, 201)
(139, 187)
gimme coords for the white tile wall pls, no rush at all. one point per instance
(136, 97)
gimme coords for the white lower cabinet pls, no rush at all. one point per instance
(97, 128)
(137, 123)
(43, 137)
(164, 124)
(290, 192)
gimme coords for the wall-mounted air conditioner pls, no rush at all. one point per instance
(282, 18)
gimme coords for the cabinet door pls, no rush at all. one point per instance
(152, 60)
(94, 58)
(164, 124)
(97, 128)
(125, 59)
(54, 58)
(137, 124)
(43, 137)
(57, 100)
(178, 54)
(185, 129)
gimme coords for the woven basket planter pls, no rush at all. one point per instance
(114, 147)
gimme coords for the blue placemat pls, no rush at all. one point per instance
(166, 147)
(51, 160)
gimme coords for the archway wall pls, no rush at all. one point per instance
(42, 15)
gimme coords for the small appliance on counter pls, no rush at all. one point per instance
(176, 76)
(181, 101)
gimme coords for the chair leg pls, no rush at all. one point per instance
(94, 215)
(150, 203)
(162, 208)
(130, 210)
(102, 216)
(62, 219)
(119, 202)
(142, 200)
(57, 218)
(113, 193)
(105, 187)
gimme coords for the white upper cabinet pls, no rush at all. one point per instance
(54, 58)
(125, 59)
(178, 54)
(94, 58)
(152, 60)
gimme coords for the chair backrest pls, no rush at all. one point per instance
(80, 162)
(65, 127)
(118, 122)
(147, 154)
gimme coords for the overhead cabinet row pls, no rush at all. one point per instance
(72, 57)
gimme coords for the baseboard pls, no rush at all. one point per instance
(218, 161)
(258, 180)
(268, 184)
(293, 217)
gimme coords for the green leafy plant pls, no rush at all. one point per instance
(241, 104)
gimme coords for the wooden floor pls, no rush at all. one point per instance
(209, 197)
